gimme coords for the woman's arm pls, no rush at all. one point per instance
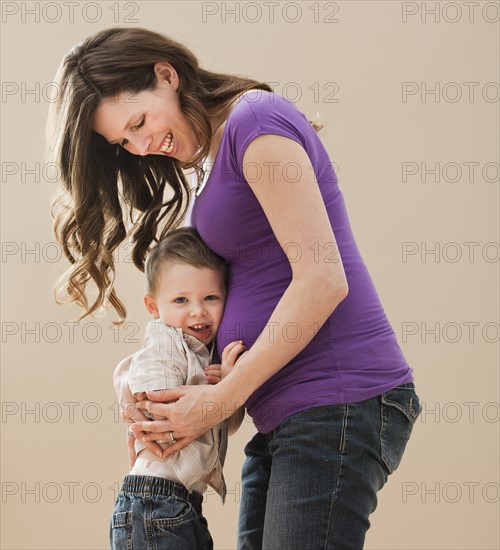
(298, 217)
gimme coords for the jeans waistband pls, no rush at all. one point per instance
(159, 486)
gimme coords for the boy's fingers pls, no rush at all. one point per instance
(237, 349)
(131, 413)
(230, 347)
(213, 368)
(235, 352)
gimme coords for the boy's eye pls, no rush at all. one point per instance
(124, 142)
(212, 297)
(181, 300)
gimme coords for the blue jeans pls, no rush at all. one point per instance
(152, 513)
(312, 483)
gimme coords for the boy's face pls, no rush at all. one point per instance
(190, 298)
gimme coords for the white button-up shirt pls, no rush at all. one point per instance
(167, 359)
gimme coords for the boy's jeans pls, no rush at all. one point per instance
(153, 513)
(311, 483)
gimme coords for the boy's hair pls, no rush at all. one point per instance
(183, 245)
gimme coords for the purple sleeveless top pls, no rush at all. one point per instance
(355, 355)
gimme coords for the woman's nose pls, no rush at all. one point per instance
(141, 145)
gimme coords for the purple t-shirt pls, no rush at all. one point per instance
(355, 355)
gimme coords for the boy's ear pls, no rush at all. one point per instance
(151, 305)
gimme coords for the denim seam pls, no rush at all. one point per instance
(343, 450)
(383, 423)
(129, 533)
(148, 520)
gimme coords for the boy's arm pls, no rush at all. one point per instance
(129, 412)
(160, 365)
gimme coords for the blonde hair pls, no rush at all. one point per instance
(183, 245)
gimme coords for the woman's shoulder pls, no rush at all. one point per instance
(257, 104)
(262, 112)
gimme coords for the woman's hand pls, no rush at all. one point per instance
(196, 410)
(129, 411)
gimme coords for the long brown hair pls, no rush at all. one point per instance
(100, 181)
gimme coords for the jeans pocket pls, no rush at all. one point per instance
(176, 524)
(121, 531)
(169, 511)
(400, 408)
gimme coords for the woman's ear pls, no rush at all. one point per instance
(151, 305)
(166, 73)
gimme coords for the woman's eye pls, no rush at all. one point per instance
(140, 125)
(180, 300)
(124, 142)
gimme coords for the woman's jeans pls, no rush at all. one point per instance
(312, 483)
(152, 513)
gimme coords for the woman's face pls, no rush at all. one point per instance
(149, 122)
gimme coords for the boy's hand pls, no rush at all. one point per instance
(230, 355)
(213, 373)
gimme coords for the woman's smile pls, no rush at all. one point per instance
(150, 122)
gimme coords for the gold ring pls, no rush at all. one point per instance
(172, 437)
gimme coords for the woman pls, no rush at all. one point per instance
(324, 378)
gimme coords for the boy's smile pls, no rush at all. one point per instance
(190, 298)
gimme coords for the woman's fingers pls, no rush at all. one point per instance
(178, 445)
(138, 430)
(196, 410)
(157, 427)
(166, 396)
(131, 450)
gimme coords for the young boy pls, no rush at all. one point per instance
(160, 500)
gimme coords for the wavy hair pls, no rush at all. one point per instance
(100, 181)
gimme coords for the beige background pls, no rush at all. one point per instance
(62, 462)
